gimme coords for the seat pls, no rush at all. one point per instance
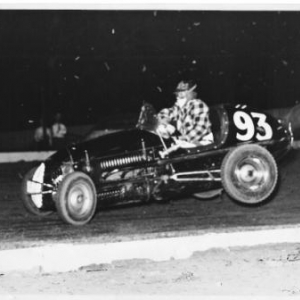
(215, 116)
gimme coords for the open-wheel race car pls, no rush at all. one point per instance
(137, 165)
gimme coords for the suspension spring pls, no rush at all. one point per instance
(121, 161)
(111, 194)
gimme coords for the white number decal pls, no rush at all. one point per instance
(268, 132)
(244, 122)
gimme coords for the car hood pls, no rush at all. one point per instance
(110, 144)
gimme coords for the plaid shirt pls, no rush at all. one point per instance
(191, 121)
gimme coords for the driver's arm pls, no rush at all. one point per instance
(165, 116)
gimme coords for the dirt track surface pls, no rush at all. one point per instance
(18, 228)
(270, 270)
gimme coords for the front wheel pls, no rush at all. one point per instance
(76, 199)
(249, 174)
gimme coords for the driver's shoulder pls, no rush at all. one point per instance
(197, 104)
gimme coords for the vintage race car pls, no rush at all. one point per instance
(137, 165)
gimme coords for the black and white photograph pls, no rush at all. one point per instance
(149, 150)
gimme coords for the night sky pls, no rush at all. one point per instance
(94, 64)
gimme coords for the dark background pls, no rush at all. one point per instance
(97, 64)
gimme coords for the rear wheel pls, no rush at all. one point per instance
(249, 174)
(76, 199)
(31, 195)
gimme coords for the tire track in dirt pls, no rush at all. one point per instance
(20, 228)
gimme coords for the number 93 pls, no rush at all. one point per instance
(248, 123)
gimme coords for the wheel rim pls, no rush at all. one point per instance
(252, 174)
(80, 201)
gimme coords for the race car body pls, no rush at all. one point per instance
(137, 165)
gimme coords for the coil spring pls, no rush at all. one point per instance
(110, 194)
(122, 161)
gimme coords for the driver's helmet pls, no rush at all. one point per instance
(185, 86)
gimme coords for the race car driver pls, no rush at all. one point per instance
(188, 117)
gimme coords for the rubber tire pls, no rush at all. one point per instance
(62, 198)
(229, 177)
(26, 198)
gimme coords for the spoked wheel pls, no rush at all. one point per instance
(31, 194)
(249, 174)
(76, 199)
